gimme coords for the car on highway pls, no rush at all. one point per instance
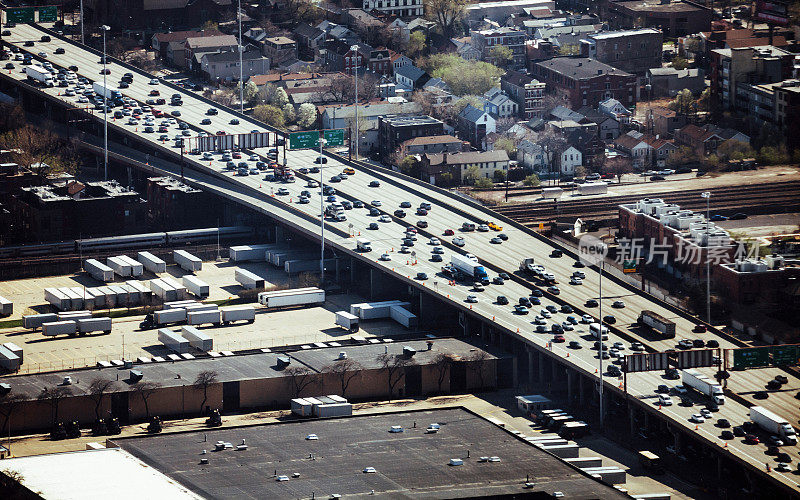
(405, 204)
(699, 329)
(536, 293)
(590, 303)
(541, 329)
(613, 370)
(718, 218)
(738, 216)
(374, 184)
(723, 423)
(558, 339)
(586, 319)
(400, 213)
(697, 418)
(618, 304)
(503, 236)
(495, 241)
(524, 301)
(375, 203)
(502, 300)
(554, 290)
(497, 280)
(438, 250)
(726, 435)
(556, 253)
(384, 218)
(664, 400)
(153, 81)
(471, 299)
(575, 281)
(385, 257)
(520, 309)
(538, 320)
(421, 211)
(234, 121)
(483, 228)
(320, 160)
(750, 439)
(609, 319)
(422, 276)
(459, 241)
(657, 178)
(574, 344)
(374, 212)
(478, 287)
(685, 344)
(567, 327)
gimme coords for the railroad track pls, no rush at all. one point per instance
(760, 198)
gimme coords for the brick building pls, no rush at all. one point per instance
(172, 204)
(513, 38)
(394, 130)
(634, 51)
(433, 144)
(751, 280)
(587, 81)
(280, 50)
(397, 8)
(457, 165)
(156, 14)
(674, 18)
(525, 91)
(752, 65)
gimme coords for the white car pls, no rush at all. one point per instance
(586, 319)
(567, 327)
(664, 400)
(384, 218)
(438, 250)
(154, 81)
(385, 257)
(472, 299)
(375, 203)
(545, 313)
(434, 241)
(459, 241)
(483, 228)
(575, 281)
(471, 257)
(697, 418)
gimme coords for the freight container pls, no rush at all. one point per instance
(562, 450)
(187, 261)
(195, 286)
(551, 441)
(279, 260)
(201, 307)
(67, 327)
(173, 341)
(120, 266)
(243, 253)
(703, 384)
(6, 307)
(773, 424)
(162, 290)
(137, 268)
(107, 91)
(552, 193)
(609, 475)
(304, 266)
(110, 296)
(238, 313)
(134, 295)
(249, 280)
(34, 321)
(658, 323)
(467, 268)
(583, 462)
(73, 315)
(37, 73)
(75, 298)
(203, 317)
(197, 339)
(88, 325)
(375, 310)
(151, 262)
(334, 410)
(301, 407)
(180, 290)
(98, 298)
(347, 321)
(15, 349)
(336, 398)
(57, 299)
(167, 316)
(588, 188)
(122, 296)
(98, 270)
(403, 316)
(296, 297)
(9, 360)
(177, 304)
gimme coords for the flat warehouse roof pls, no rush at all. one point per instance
(411, 464)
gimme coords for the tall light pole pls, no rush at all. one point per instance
(241, 65)
(83, 42)
(354, 49)
(600, 349)
(707, 196)
(322, 142)
(105, 28)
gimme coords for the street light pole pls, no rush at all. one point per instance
(105, 28)
(707, 196)
(83, 42)
(354, 49)
(600, 350)
(241, 64)
(322, 142)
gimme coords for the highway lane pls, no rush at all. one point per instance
(506, 256)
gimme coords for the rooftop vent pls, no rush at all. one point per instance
(67, 381)
(409, 351)
(456, 461)
(284, 361)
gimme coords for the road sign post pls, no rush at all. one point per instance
(755, 357)
(21, 15)
(310, 139)
(783, 355)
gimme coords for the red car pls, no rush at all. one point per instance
(449, 232)
(751, 439)
(155, 93)
(237, 155)
(559, 339)
(220, 132)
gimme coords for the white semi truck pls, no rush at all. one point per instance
(773, 424)
(466, 267)
(39, 74)
(704, 385)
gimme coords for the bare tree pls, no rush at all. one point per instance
(618, 165)
(145, 390)
(345, 370)
(340, 89)
(394, 365)
(446, 14)
(204, 380)
(554, 97)
(97, 391)
(41, 151)
(301, 377)
(442, 363)
(476, 363)
(53, 396)
(12, 117)
(8, 404)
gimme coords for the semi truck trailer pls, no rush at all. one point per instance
(468, 268)
(37, 73)
(703, 384)
(238, 313)
(773, 424)
(294, 297)
(658, 323)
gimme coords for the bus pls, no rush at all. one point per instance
(651, 462)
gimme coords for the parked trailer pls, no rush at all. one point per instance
(187, 261)
(201, 307)
(552, 193)
(167, 316)
(301, 407)
(203, 317)
(403, 316)
(75, 297)
(658, 323)
(163, 291)
(15, 349)
(88, 325)
(195, 286)
(9, 360)
(238, 313)
(137, 268)
(308, 265)
(347, 321)
(249, 280)
(120, 266)
(66, 327)
(570, 450)
(334, 410)
(180, 290)
(243, 253)
(589, 188)
(173, 341)
(34, 321)
(279, 260)
(98, 270)
(151, 262)
(6, 307)
(177, 304)
(57, 299)
(608, 475)
(73, 315)
(197, 339)
(123, 297)
(296, 297)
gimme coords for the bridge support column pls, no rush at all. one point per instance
(632, 419)
(570, 384)
(279, 234)
(540, 365)
(515, 363)
(678, 441)
(581, 391)
(336, 263)
(531, 356)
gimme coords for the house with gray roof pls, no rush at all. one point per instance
(473, 124)
(458, 164)
(498, 104)
(410, 77)
(667, 82)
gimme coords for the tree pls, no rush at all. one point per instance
(683, 102)
(300, 378)
(288, 113)
(446, 178)
(484, 183)
(280, 98)
(446, 14)
(580, 171)
(339, 89)
(569, 49)
(476, 363)
(680, 63)
(472, 174)
(97, 391)
(704, 101)
(345, 370)
(682, 156)
(410, 166)
(506, 144)
(270, 115)
(394, 365)
(735, 150)
(53, 396)
(252, 94)
(306, 115)
(773, 155)
(8, 404)
(144, 390)
(531, 180)
(41, 151)
(204, 380)
(463, 77)
(210, 25)
(416, 44)
(618, 165)
(501, 55)
(499, 175)
(12, 117)
(442, 363)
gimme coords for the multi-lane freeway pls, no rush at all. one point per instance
(447, 213)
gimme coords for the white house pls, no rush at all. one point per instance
(568, 159)
(531, 156)
(634, 145)
(613, 108)
(498, 104)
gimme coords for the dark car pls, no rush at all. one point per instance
(578, 264)
(772, 450)
(497, 280)
(9, 65)
(761, 395)
(591, 303)
(781, 379)
(672, 374)
(609, 319)
(28, 43)
(520, 309)
(712, 344)
(738, 216)
(374, 184)
(751, 439)
(657, 178)
(699, 329)
(783, 457)
(536, 293)
(574, 344)
(373, 225)
(73, 68)
(723, 422)
(502, 300)
(726, 435)
(698, 343)
(399, 213)
(738, 431)
(614, 371)
(773, 385)
(556, 253)
(524, 301)
(59, 50)
(374, 212)
(718, 218)
(45, 38)
(566, 309)
(662, 389)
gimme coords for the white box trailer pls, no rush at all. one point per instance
(66, 327)
(175, 304)
(88, 325)
(109, 296)
(243, 253)
(151, 262)
(249, 280)
(403, 316)
(375, 310)
(122, 296)
(180, 290)
(589, 188)
(196, 286)
(301, 407)
(167, 316)
(74, 315)
(584, 462)
(173, 341)
(347, 321)
(609, 474)
(200, 307)
(134, 295)
(280, 259)
(187, 261)
(562, 450)
(6, 307)
(295, 297)
(34, 321)
(163, 291)
(75, 297)
(773, 424)
(137, 268)
(197, 339)
(238, 313)
(704, 385)
(120, 266)
(9, 360)
(334, 410)
(57, 299)
(552, 193)
(203, 317)
(14, 348)
(98, 270)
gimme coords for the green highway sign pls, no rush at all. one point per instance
(751, 358)
(310, 139)
(20, 15)
(48, 14)
(784, 355)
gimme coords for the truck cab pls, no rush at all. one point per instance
(363, 245)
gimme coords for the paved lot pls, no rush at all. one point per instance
(763, 225)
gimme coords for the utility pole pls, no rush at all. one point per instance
(354, 49)
(322, 142)
(600, 350)
(707, 196)
(241, 65)
(83, 42)
(105, 28)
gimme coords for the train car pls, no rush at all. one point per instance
(190, 236)
(127, 241)
(37, 250)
